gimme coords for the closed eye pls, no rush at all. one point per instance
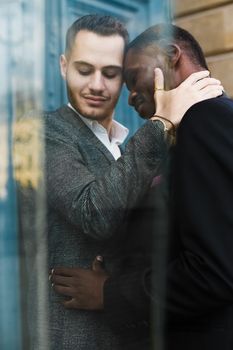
(84, 72)
(112, 72)
(83, 68)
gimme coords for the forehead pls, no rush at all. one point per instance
(98, 49)
(139, 60)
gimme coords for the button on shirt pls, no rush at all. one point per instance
(112, 142)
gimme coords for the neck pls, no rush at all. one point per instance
(107, 124)
(184, 71)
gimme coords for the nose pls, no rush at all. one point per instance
(96, 83)
(131, 98)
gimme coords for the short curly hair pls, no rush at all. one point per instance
(158, 35)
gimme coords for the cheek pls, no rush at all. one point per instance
(148, 106)
(76, 82)
(149, 91)
(150, 84)
(114, 88)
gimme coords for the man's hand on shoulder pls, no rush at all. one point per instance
(83, 286)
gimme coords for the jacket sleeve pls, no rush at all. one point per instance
(200, 275)
(97, 205)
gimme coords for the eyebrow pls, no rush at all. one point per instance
(77, 63)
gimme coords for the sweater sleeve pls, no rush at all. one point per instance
(98, 205)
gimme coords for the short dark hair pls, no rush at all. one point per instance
(99, 24)
(161, 34)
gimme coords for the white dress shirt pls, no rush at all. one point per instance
(118, 133)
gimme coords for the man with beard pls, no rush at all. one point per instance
(195, 310)
(89, 190)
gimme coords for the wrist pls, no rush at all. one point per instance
(168, 126)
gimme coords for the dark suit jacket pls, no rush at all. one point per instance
(195, 310)
(89, 196)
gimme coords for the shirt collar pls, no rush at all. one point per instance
(118, 132)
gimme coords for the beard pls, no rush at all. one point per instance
(94, 115)
(73, 101)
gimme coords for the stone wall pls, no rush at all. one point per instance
(211, 22)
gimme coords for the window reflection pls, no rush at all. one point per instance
(22, 231)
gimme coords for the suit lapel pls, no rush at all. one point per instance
(70, 116)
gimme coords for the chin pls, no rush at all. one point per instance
(146, 114)
(146, 110)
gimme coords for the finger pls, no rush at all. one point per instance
(51, 271)
(97, 264)
(211, 91)
(70, 304)
(61, 280)
(159, 79)
(201, 84)
(67, 291)
(194, 77)
(66, 271)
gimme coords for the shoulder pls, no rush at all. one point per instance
(61, 124)
(56, 117)
(213, 114)
(213, 106)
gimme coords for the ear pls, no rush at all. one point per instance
(63, 66)
(173, 53)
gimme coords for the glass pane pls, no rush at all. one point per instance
(23, 265)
